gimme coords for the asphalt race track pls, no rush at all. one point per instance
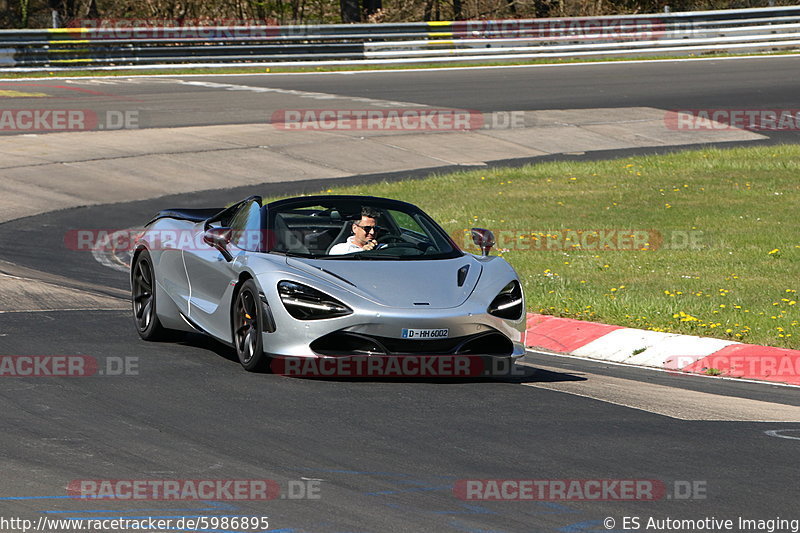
(376, 455)
(769, 83)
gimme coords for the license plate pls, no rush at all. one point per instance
(425, 334)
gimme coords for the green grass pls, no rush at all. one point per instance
(241, 69)
(738, 280)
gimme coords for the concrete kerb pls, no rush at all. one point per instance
(667, 351)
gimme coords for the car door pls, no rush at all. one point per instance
(212, 276)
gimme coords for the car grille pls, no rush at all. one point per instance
(343, 343)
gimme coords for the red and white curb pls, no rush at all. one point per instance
(669, 351)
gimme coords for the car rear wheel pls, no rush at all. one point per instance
(247, 321)
(143, 296)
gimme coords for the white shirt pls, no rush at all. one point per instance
(347, 247)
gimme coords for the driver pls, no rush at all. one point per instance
(364, 236)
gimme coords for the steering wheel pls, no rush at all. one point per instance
(390, 238)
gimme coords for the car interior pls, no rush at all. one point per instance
(315, 230)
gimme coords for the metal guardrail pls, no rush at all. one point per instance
(738, 30)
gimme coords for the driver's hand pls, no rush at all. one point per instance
(370, 244)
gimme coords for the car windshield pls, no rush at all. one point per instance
(356, 229)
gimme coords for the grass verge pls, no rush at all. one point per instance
(715, 248)
(78, 72)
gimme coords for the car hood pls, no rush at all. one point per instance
(431, 284)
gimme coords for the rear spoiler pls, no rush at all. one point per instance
(192, 215)
(203, 214)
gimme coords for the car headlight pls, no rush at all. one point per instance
(305, 303)
(508, 303)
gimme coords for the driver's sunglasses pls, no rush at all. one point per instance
(368, 229)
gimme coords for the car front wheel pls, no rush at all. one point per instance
(143, 296)
(247, 322)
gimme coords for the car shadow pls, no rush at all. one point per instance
(199, 340)
(539, 375)
(516, 374)
(519, 377)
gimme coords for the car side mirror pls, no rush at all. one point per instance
(219, 238)
(483, 239)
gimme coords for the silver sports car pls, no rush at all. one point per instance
(325, 277)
